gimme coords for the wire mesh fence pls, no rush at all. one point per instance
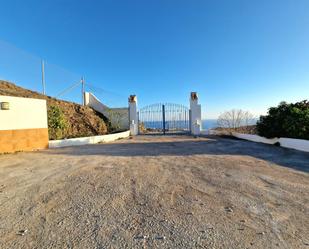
(29, 71)
(25, 69)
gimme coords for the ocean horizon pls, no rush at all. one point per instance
(209, 124)
(206, 124)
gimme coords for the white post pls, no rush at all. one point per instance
(86, 98)
(196, 114)
(133, 117)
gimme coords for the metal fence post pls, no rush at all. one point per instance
(190, 123)
(163, 116)
(138, 126)
(129, 117)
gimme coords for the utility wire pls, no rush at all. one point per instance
(99, 89)
(108, 100)
(68, 89)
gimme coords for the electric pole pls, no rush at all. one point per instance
(83, 90)
(43, 76)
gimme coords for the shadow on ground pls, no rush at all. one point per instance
(185, 147)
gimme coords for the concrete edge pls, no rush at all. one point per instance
(88, 140)
(290, 143)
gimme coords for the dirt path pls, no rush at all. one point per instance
(156, 192)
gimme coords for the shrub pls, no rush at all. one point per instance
(141, 127)
(57, 123)
(115, 117)
(286, 120)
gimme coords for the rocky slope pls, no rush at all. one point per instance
(82, 120)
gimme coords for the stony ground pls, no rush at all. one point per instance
(156, 192)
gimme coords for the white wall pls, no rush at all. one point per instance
(95, 103)
(256, 138)
(24, 113)
(291, 143)
(92, 101)
(88, 140)
(297, 144)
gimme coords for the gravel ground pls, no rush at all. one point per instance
(156, 192)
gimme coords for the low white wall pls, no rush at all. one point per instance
(291, 143)
(88, 140)
(255, 138)
(297, 144)
(24, 113)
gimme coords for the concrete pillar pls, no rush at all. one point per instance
(196, 114)
(133, 117)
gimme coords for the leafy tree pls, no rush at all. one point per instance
(286, 120)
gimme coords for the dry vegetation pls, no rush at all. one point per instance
(250, 129)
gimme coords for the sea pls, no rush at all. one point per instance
(209, 124)
(206, 124)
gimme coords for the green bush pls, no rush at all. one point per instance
(57, 123)
(286, 120)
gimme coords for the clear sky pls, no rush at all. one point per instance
(235, 53)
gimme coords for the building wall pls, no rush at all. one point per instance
(24, 126)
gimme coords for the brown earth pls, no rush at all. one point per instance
(82, 120)
(156, 192)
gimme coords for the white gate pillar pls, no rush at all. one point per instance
(196, 114)
(133, 117)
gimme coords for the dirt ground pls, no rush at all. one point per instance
(156, 192)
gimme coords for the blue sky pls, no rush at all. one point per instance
(235, 54)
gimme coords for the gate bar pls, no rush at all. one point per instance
(163, 116)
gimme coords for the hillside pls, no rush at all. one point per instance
(82, 120)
